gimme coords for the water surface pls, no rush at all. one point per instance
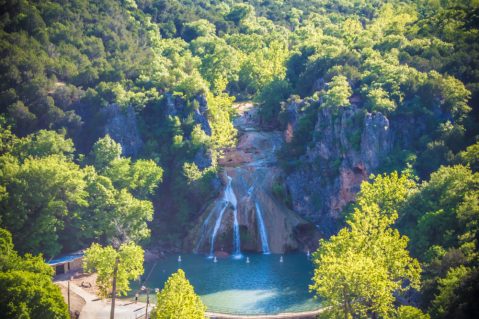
(262, 286)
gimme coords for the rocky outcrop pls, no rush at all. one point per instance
(348, 145)
(177, 106)
(198, 107)
(121, 125)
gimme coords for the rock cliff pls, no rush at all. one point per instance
(121, 125)
(348, 145)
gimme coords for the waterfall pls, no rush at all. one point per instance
(215, 230)
(204, 229)
(262, 230)
(229, 197)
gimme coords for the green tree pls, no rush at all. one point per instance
(446, 293)
(270, 98)
(359, 270)
(115, 268)
(26, 285)
(141, 177)
(198, 28)
(378, 100)
(42, 196)
(44, 143)
(389, 192)
(104, 151)
(178, 300)
(338, 93)
(471, 156)
(409, 312)
(443, 210)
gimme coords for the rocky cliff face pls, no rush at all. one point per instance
(121, 125)
(348, 145)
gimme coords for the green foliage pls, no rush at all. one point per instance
(44, 143)
(270, 99)
(29, 295)
(198, 28)
(447, 287)
(378, 100)
(26, 284)
(141, 178)
(178, 300)
(437, 213)
(50, 203)
(409, 312)
(359, 270)
(388, 191)
(338, 93)
(103, 260)
(104, 151)
(43, 195)
(471, 156)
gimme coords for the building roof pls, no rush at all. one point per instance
(65, 258)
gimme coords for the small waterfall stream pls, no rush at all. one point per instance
(215, 230)
(229, 198)
(262, 230)
(204, 229)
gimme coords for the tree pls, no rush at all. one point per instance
(141, 177)
(471, 156)
(26, 285)
(443, 211)
(44, 143)
(198, 28)
(30, 295)
(104, 151)
(270, 98)
(178, 300)
(239, 12)
(115, 268)
(359, 270)
(42, 194)
(378, 100)
(389, 192)
(338, 93)
(447, 291)
(409, 312)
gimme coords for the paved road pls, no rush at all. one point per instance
(100, 309)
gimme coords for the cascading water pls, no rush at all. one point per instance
(262, 230)
(203, 230)
(229, 197)
(215, 230)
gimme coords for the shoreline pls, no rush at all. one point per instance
(286, 315)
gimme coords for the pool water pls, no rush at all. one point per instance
(263, 286)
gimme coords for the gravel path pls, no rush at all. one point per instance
(96, 308)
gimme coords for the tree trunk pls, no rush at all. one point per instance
(113, 290)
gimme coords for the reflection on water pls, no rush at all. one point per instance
(262, 286)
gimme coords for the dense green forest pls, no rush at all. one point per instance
(66, 183)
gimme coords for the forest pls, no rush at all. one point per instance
(76, 173)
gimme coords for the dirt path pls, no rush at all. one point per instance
(76, 302)
(95, 308)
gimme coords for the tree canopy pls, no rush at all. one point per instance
(178, 300)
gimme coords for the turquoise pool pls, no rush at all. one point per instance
(263, 286)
